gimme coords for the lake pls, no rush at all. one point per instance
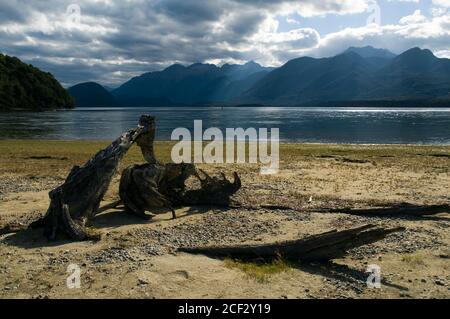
(311, 125)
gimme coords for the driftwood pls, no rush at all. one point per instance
(214, 190)
(76, 202)
(405, 209)
(158, 185)
(321, 247)
(143, 187)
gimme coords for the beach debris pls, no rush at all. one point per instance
(158, 185)
(402, 209)
(142, 187)
(76, 202)
(213, 191)
(322, 247)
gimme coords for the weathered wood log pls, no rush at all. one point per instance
(321, 247)
(77, 201)
(405, 209)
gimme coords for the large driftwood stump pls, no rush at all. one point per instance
(157, 185)
(143, 187)
(321, 247)
(76, 202)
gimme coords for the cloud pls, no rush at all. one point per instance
(431, 33)
(114, 39)
(414, 1)
(308, 8)
(442, 3)
(416, 17)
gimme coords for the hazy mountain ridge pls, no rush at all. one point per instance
(413, 75)
(357, 74)
(371, 52)
(197, 83)
(342, 77)
(91, 94)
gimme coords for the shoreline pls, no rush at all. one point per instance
(424, 107)
(282, 142)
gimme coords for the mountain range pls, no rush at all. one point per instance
(357, 74)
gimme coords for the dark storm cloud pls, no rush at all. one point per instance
(12, 11)
(190, 12)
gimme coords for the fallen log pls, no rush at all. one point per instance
(321, 247)
(77, 201)
(405, 209)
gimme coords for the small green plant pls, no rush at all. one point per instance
(261, 272)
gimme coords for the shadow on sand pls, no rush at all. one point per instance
(34, 238)
(353, 277)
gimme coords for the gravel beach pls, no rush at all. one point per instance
(138, 259)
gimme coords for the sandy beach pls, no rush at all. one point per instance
(138, 259)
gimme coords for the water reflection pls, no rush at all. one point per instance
(322, 125)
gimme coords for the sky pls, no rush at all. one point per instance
(110, 41)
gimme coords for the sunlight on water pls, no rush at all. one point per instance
(312, 125)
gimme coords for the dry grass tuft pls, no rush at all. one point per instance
(261, 272)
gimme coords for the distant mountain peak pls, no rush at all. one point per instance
(247, 65)
(92, 94)
(201, 65)
(418, 52)
(252, 63)
(87, 84)
(371, 52)
(415, 60)
(176, 66)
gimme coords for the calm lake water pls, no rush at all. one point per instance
(313, 125)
